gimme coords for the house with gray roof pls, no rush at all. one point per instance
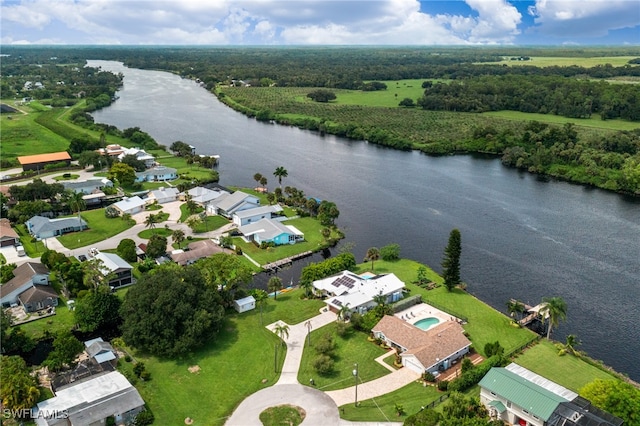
(26, 276)
(90, 401)
(37, 298)
(202, 196)
(521, 397)
(42, 227)
(271, 231)
(99, 350)
(140, 154)
(228, 204)
(130, 205)
(163, 195)
(88, 186)
(245, 217)
(119, 271)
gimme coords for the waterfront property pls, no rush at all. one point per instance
(157, 174)
(271, 231)
(140, 155)
(201, 196)
(521, 397)
(42, 227)
(91, 402)
(39, 161)
(162, 195)
(197, 250)
(432, 350)
(246, 217)
(228, 204)
(358, 291)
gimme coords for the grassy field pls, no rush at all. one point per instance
(100, 228)
(568, 371)
(21, 135)
(382, 409)
(594, 122)
(62, 320)
(352, 348)
(31, 248)
(396, 91)
(231, 368)
(312, 241)
(565, 61)
(211, 223)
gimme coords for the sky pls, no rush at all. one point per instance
(320, 22)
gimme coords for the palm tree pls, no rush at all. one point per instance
(343, 312)
(282, 331)
(307, 286)
(257, 177)
(280, 173)
(515, 308)
(151, 221)
(373, 254)
(261, 297)
(76, 202)
(274, 284)
(571, 343)
(263, 181)
(178, 236)
(556, 309)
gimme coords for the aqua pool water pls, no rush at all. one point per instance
(426, 323)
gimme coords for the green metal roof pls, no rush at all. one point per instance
(498, 406)
(521, 392)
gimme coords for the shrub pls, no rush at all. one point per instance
(138, 368)
(466, 365)
(325, 345)
(356, 321)
(127, 358)
(443, 385)
(144, 418)
(111, 212)
(342, 329)
(323, 364)
(491, 349)
(145, 375)
(473, 376)
(390, 252)
(429, 377)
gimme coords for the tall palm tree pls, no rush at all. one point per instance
(343, 312)
(76, 202)
(151, 221)
(515, 308)
(274, 284)
(571, 343)
(280, 173)
(178, 236)
(261, 297)
(556, 308)
(282, 331)
(257, 177)
(373, 254)
(263, 182)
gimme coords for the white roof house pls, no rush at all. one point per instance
(163, 195)
(131, 205)
(227, 205)
(245, 217)
(357, 292)
(271, 231)
(140, 154)
(201, 195)
(90, 402)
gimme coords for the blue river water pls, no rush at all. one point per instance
(522, 236)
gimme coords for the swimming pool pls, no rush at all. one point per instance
(426, 323)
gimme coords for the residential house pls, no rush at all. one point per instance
(228, 204)
(100, 351)
(37, 298)
(89, 402)
(431, 350)
(120, 271)
(271, 231)
(197, 250)
(157, 174)
(521, 397)
(245, 304)
(8, 236)
(202, 196)
(113, 150)
(39, 161)
(162, 195)
(25, 276)
(42, 227)
(245, 217)
(358, 291)
(140, 154)
(89, 186)
(130, 205)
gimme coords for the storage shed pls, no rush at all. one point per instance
(244, 304)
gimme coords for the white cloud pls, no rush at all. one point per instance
(497, 21)
(584, 18)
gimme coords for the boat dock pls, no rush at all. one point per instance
(286, 261)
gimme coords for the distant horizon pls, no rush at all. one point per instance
(320, 46)
(320, 23)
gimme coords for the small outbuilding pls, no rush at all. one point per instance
(245, 304)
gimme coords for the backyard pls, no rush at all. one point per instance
(100, 228)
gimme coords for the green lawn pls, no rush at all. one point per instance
(100, 228)
(313, 240)
(31, 248)
(61, 321)
(185, 213)
(594, 122)
(568, 370)
(186, 171)
(21, 135)
(147, 233)
(382, 409)
(396, 91)
(565, 61)
(350, 349)
(485, 323)
(231, 368)
(211, 223)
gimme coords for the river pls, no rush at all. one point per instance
(522, 236)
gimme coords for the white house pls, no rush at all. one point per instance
(271, 231)
(140, 154)
(424, 350)
(120, 271)
(88, 186)
(245, 304)
(89, 402)
(245, 217)
(202, 196)
(163, 195)
(358, 292)
(228, 204)
(130, 205)
(157, 174)
(521, 397)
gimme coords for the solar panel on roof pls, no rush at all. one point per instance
(336, 302)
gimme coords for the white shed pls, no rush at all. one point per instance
(245, 304)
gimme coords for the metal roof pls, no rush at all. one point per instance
(44, 158)
(529, 396)
(542, 382)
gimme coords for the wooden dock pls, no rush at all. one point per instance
(286, 261)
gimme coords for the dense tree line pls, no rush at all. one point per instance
(533, 93)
